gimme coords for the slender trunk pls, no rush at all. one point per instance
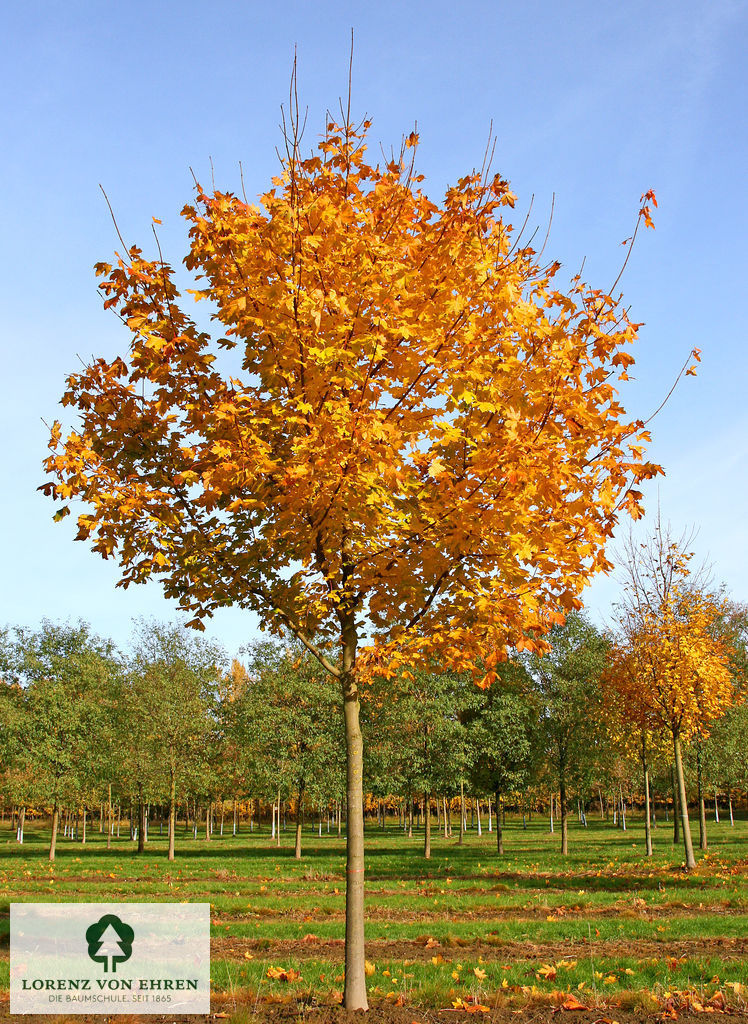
(703, 845)
(729, 801)
(354, 997)
(477, 811)
(427, 829)
(676, 808)
(172, 812)
(208, 808)
(462, 811)
(490, 816)
(687, 844)
(499, 831)
(550, 803)
(21, 822)
(109, 818)
(446, 819)
(647, 821)
(141, 819)
(563, 810)
(716, 808)
(55, 824)
(297, 847)
(83, 832)
(278, 820)
(410, 817)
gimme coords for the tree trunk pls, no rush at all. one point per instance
(172, 812)
(729, 801)
(109, 818)
(703, 845)
(687, 844)
(354, 997)
(462, 811)
(141, 819)
(647, 820)
(499, 831)
(550, 813)
(563, 810)
(297, 846)
(21, 822)
(477, 811)
(676, 809)
(208, 807)
(716, 808)
(427, 825)
(446, 819)
(55, 824)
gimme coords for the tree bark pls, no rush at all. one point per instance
(563, 810)
(55, 824)
(141, 819)
(354, 997)
(172, 812)
(647, 820)
(427, 825)
(499, 830)
(462, 811)
(676, 809)
(703, 845)
(109, 817)
(687, 844)
(21, 822)
(297, 845)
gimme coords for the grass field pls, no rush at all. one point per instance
(467, 926)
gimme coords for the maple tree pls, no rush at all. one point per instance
(406, 443)
(669, 660)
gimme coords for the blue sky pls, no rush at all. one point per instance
(592, 101)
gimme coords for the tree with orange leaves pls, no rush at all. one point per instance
(419, 452)
(670, 663)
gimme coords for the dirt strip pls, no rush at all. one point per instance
(386, 1013)
(313, 948)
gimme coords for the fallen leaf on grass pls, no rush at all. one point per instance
(369, 968)
(548, 972)
(572, 1003)
(469, 1007)
(283, 974)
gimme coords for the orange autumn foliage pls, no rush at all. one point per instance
(403, 424)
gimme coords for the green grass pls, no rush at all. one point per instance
(604, 923)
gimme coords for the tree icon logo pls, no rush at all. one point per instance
(110, 941)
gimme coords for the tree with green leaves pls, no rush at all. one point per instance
(503, 736)
(69, 676)
(172, 693)
(289, 712)
(568, 691)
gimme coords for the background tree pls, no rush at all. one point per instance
(290, 713)
(424, 445)
(567, 685)
(69, 675)
(173, 689)
(503, 736)
(672, 624)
